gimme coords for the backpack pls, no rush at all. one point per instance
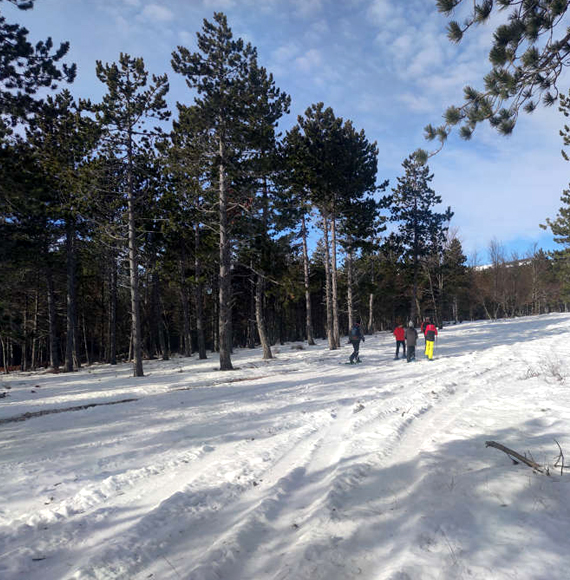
(354, 333)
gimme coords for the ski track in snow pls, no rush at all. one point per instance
(312, 471)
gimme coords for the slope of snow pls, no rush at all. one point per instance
(296, 468)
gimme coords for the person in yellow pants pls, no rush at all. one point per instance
(430, 333)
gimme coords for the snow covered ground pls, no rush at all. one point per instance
(296, 468)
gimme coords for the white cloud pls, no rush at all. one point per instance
(311, 60)
(418, 103)
(219, 4)
(381, 11)
(317, 30)
(186, 38)
(285, 53)
(158, 13)
(307, 8)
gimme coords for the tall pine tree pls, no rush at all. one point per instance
(419, 227)
(219, 72)
(125, 112)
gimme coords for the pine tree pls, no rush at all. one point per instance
(420, 229)
(528, 55)
(339, 167)
(455, 273)
(268, 104)
(25, 69)
(295, 209)
(189, 203)
(220, 74)
(127, 108)
(64, 139)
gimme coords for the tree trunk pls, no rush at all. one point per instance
(136, 326)
(87, 357)
(349, 297)
(433, 297)
(112, 354)
(5, 362)
(52, 316)
(199, 296)
(336, 330)
(71, 325)
(371, 313)
(225, 338)
(157, 314)
(308, 312)
(414, 309)
(260, 317)
(185, 301)
(330, 334)
(455, 310)
(34, 353)
(251, 321)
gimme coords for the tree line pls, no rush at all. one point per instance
(130, 232)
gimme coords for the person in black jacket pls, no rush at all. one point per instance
(355, 336)
(411, 340)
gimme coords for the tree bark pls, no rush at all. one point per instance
(513, 454)
(260, 317)
(225, 338)
(336, 330)
(185, 301)
(85, 343)
(52, 321)
(34, 353)
(330, 334)
(349, 297)
(134, 272)
(112, 354)
(71, 324)
(199, 296)
(308, 311)
(371, 313)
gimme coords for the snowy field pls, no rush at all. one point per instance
(296, 468)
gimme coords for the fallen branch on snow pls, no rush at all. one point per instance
(513, 454)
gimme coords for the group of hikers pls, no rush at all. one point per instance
(405, 337)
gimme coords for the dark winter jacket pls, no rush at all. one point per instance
(399, 333)
(430, 332)
(355, 334)
(411, 336)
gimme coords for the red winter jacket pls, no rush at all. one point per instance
(399, 333)
(430, 331)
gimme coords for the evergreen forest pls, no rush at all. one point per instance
(131, 231)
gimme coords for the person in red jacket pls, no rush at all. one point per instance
(399, 333)
(430, 332)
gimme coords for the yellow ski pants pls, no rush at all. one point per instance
(429, 349)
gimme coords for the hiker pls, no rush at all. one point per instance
(400, 333)
(411, 335)
(430, 334)
(355, 336)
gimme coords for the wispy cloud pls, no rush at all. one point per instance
(307, 8)
(157, 13)
(309, 61)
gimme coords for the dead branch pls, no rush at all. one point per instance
(513, 454)
(560, 459)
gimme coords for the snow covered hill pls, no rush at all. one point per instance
(297, 468)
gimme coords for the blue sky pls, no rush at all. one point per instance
(385, 64)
